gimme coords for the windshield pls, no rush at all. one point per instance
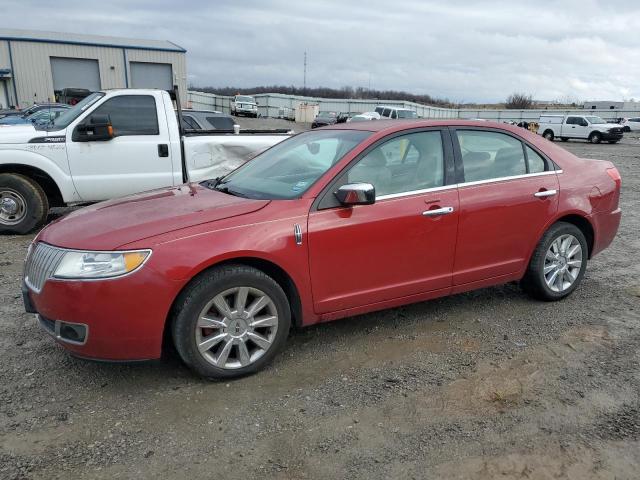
(595, 120)
(327, 114)
(288, 169)
(70, 115)
(407, 114)
(245, 99)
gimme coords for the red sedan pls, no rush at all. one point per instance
(330, 223)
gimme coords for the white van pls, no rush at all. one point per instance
(395, 112)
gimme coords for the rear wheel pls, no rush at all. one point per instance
(558, 263)
(230, 322)
(595, 137)
(23, 204)
(548, 134)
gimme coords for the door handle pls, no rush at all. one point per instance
(163, 150)
(437, 212)
(545, 193)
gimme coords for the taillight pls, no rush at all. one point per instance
(615, 175)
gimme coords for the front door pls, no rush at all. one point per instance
(509, 192)
(576, 127)
(401, 245)
(133, 161)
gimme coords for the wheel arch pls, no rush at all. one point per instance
(584, 225)
(270, 268)
(48, 184)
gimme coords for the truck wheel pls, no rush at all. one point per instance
(548, 134)
(595, 137)
(230, 322)
(23, 204)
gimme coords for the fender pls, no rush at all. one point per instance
(39, 155)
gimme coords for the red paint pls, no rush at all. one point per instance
(351, 261)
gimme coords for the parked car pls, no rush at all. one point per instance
(325, 118)
(395, 112)
(111, 144)
(330, 223)
(364, 117)
(244, 105)
(41, 117)
(587, 127)
(32, 109)
(631, 124)
(71, 96)
(207, 120)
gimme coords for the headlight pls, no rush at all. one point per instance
(87, 265)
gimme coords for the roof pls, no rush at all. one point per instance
(90, 40)
(390, 126)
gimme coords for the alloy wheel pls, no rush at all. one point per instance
(562, 263)
(236, 328)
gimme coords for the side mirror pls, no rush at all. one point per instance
(356, 194)
(96, 128)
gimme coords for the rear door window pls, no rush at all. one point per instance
(488, 155)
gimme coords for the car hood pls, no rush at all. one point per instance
(111, 224)
(17, 133)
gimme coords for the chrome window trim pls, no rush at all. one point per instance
(466, 184)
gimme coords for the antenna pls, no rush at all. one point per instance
(304, 84)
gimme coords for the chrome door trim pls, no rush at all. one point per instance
(466, 184)
(545, 193)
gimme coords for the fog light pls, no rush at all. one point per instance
(73, 332)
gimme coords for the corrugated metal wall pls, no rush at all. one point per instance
(32, 66)
(273, 105)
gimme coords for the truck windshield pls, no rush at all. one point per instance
(594, 119)
(70, 115)
(245, 99)
(288, 169)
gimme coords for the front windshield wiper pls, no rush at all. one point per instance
(218, 185)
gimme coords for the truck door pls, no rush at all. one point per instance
(575, 127)
(136, 159)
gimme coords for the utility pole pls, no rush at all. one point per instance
(304, 84)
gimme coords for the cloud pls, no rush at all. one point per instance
(463, 50)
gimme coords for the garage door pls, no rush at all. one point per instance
(75, 73)
(151, 75)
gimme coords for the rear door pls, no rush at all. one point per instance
(508, 192)
(404, 243)
(138, 158)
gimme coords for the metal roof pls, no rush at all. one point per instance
(91, 40)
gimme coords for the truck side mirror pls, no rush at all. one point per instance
(96, 128)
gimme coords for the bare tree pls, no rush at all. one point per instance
(519, 101)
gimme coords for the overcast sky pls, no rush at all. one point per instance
(461, 50)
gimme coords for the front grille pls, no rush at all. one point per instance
(40, 265)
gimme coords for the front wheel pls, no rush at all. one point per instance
(595, 137)
(230, 322)
(23, 204)
(548, 135)
(558, 263)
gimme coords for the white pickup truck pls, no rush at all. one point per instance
(112, 143)
(587, 127)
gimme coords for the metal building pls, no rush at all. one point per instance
(35, 66)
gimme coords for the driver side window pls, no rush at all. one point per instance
(402, 164)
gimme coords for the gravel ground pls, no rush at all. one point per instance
(479, 385)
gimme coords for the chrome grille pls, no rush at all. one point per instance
(40, 265)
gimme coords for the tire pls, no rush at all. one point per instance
(23, 204)
(544, 286)
(564, 139)
(595, 137)
(202, 297)
(548, 134)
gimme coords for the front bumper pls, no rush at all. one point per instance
(246, 111)
(612, 136)
(122, 319)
